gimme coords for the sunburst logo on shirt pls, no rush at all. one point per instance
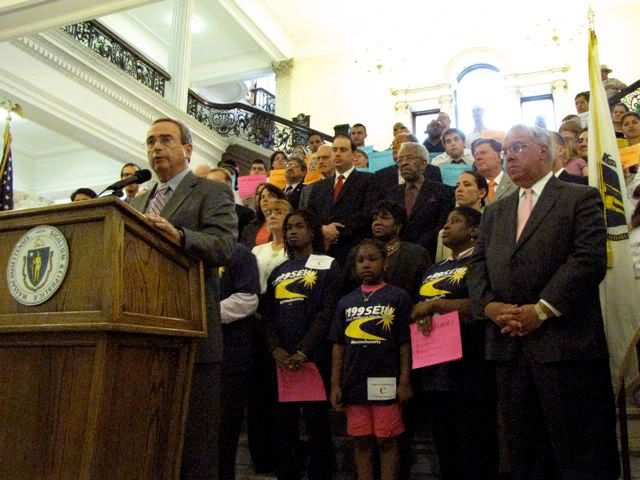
(388, 316)
(428, 289)
(354, 328)
(308, 280)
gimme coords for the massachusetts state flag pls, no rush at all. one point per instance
(619, 291)
(6, 172)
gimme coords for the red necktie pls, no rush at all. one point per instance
(338, 187)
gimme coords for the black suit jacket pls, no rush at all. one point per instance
(569, 177)
(434, 202)
(560, 257)
(294, 196)
(352, 208)
(245, 216)
(388, 176)
(204, 211)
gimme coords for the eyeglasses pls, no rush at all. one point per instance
(274, 212)
(164, 140)
(292, 165)
(515, 148)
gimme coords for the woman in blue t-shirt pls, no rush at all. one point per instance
(459, 396)
(299, 304)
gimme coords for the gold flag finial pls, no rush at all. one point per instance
(11, 107)
(591, 18)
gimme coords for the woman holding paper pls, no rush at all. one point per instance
(459, 395)
(298, 308)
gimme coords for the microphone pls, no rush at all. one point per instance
(140, 176)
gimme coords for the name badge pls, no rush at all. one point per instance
(381, 388)
(319, 262)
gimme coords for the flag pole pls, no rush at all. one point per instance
(10, 107)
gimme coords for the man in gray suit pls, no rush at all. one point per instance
(535, 272)
(486, 152)
(199, 215)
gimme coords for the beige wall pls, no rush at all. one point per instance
(335, 89)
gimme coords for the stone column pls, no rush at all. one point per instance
(403, 113)
(512, 103)
(283, 87)
(446, 105)
(180, 54)
(561, 99)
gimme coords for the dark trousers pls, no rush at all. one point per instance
(200, 451)
(464, 432)
(235, 388)
(560, 419)
(321, 458)
(260, 412)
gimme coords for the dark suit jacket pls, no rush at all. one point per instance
(352, 209)
(205, 212)
(245, 216)
(434, 202)
(569, 177)
(294, 197)
(560, 257)
(388, 177)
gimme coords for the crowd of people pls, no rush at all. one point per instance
(333, 273)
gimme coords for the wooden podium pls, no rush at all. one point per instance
(94, 383)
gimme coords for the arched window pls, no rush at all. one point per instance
(481, 85)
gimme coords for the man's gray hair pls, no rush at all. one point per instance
(420, 149)
(539, 135)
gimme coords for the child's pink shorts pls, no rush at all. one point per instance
(383, 421)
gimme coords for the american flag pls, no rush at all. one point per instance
(6, 173)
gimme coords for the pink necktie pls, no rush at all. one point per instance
(159, 200)
(524, 211)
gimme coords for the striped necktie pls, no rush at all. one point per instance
(159, 200)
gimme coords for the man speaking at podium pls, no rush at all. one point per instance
(200, 215)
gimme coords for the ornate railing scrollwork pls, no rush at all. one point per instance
(109, 45)
(263, 99)
(630, 96)
(249, 123)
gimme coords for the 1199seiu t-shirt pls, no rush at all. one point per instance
(448, 280)
(372, 327)
(296, 295)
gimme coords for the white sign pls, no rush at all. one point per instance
(319, 262)
(381, 388)
(37, 265)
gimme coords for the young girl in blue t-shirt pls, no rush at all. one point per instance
(370, 367)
